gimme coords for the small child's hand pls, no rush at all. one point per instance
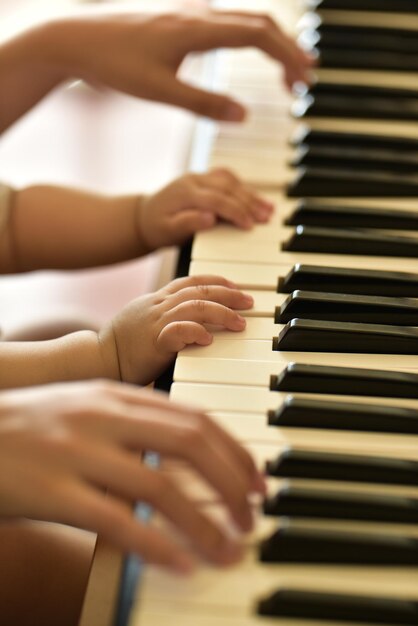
(196, 202)
(146, 335)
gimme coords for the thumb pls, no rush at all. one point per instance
(205, 103)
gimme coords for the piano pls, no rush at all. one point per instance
(322, 384)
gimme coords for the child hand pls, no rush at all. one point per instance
(62, 445)
(144, 338)
(196, 202)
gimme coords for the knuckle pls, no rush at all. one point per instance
(192, 439)
(203, 290)
(199, 306)
(160, 489)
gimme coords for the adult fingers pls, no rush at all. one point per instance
(85, 507)
(249, 29)
(205, 103)
(124, 475)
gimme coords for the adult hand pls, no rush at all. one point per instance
(61, 446)
(140, 55)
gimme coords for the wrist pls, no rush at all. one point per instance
(109, 353)
(40, 51)
(144, 244)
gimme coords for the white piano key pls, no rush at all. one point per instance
(265, 303)
(402, 21)
(246, 399)
(237, 371)
(226, 371)
(393, 80)
(268, 252)
(259, 350)
(258, 431)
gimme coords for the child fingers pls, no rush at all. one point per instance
(232, 298)
(177, 335)
(195, 281)
(224, 206)
(230, 185)
(206, 312)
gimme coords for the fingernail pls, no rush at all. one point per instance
(266, 204)
(231, 284)
(260, 484)
(263, 215)
(246, 521)
(231, 552)
(234, 112)
(240, 322)
(247, 224)
(207, 340)
(207, 219)
(248, 299)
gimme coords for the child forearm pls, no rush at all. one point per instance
(78, 356)
(58, 228)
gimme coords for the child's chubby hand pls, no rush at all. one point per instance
(145, 336)
(197, 202)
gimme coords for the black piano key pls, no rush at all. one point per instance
(311, 465)
(394, 6)
(332, 504)
(355, 158)
(311, 137)
(337, 182)
(365, 242)
(312, 212)
(358, 90)
(319, 336)
(354, 36)
(340, 307)
(308, 545)
(313, 605)
(366, 59)
(348, 280)
(310, 413)
(356, 106)
(345, 381)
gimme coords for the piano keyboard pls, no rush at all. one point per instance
(322, 384)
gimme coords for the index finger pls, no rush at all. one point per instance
(235, 30)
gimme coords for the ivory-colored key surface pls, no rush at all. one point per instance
(269, 252)
(237, 371)
(266, 276)
(347, 77)
(246, 399)
(260, 350)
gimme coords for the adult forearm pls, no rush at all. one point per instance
(28, 72)
(77, 356)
